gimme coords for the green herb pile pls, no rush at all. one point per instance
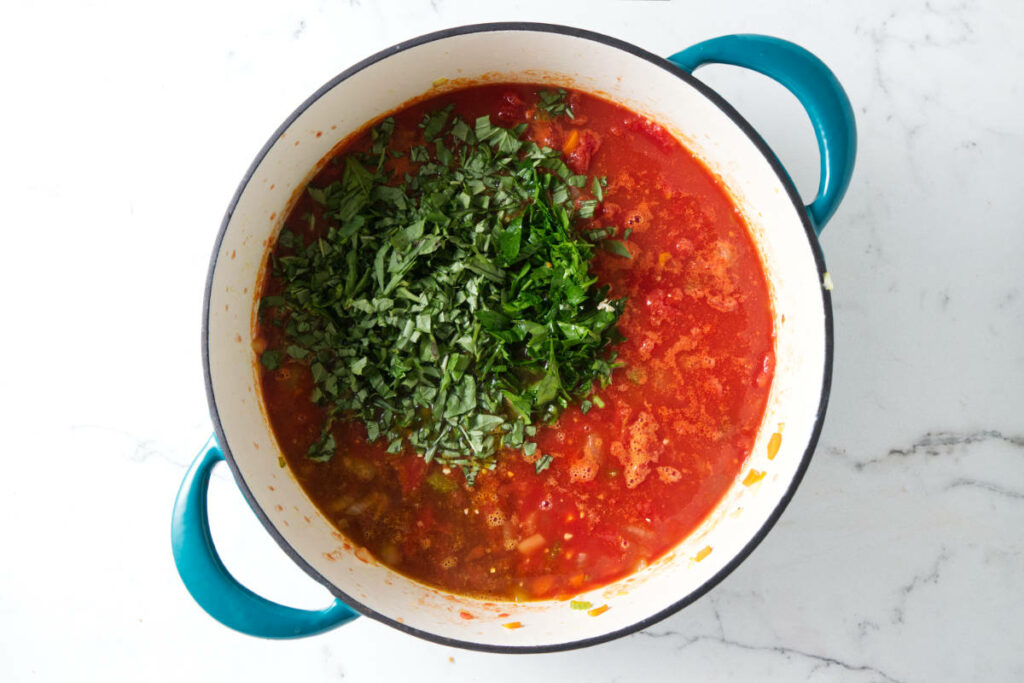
(451, 310)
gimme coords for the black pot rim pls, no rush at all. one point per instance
(797, 205)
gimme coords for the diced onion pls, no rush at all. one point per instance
(531, 544)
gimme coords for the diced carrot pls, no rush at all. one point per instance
(753, 476)
(773, 445)
(579, 158)
(513, 624)
(598, 611)
(571, 142)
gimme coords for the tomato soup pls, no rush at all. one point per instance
(627, 475)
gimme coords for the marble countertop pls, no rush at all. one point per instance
(127, 127)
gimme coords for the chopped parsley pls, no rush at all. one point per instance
(451, 309)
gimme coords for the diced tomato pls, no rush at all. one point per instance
(608, 211)
(658, 305)
(652, 131)
(511, 108)
(427, 519)
(546, 134)
(412, 469)
(583, 152)
(575, 101)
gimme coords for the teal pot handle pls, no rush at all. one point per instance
(817, 89)
(209, 582)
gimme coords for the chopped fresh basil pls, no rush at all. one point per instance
(616, 247)
(587, 208)
(296, 352)
(543, 462)
(554, 103)
(450, 309)
(271, 360)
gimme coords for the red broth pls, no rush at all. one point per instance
(629, 480)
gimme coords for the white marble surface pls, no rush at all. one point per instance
(126, 129)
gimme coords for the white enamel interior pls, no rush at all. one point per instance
(642, 86)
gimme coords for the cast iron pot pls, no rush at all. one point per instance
(784, 230)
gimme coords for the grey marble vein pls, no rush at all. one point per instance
(934, 444)
(985, 486)
(931, 576)
(784, 651)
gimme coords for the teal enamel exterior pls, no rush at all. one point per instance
(209, 581)
(817, 89)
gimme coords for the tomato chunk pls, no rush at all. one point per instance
(583, 151)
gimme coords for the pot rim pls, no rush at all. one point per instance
(794, 197)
